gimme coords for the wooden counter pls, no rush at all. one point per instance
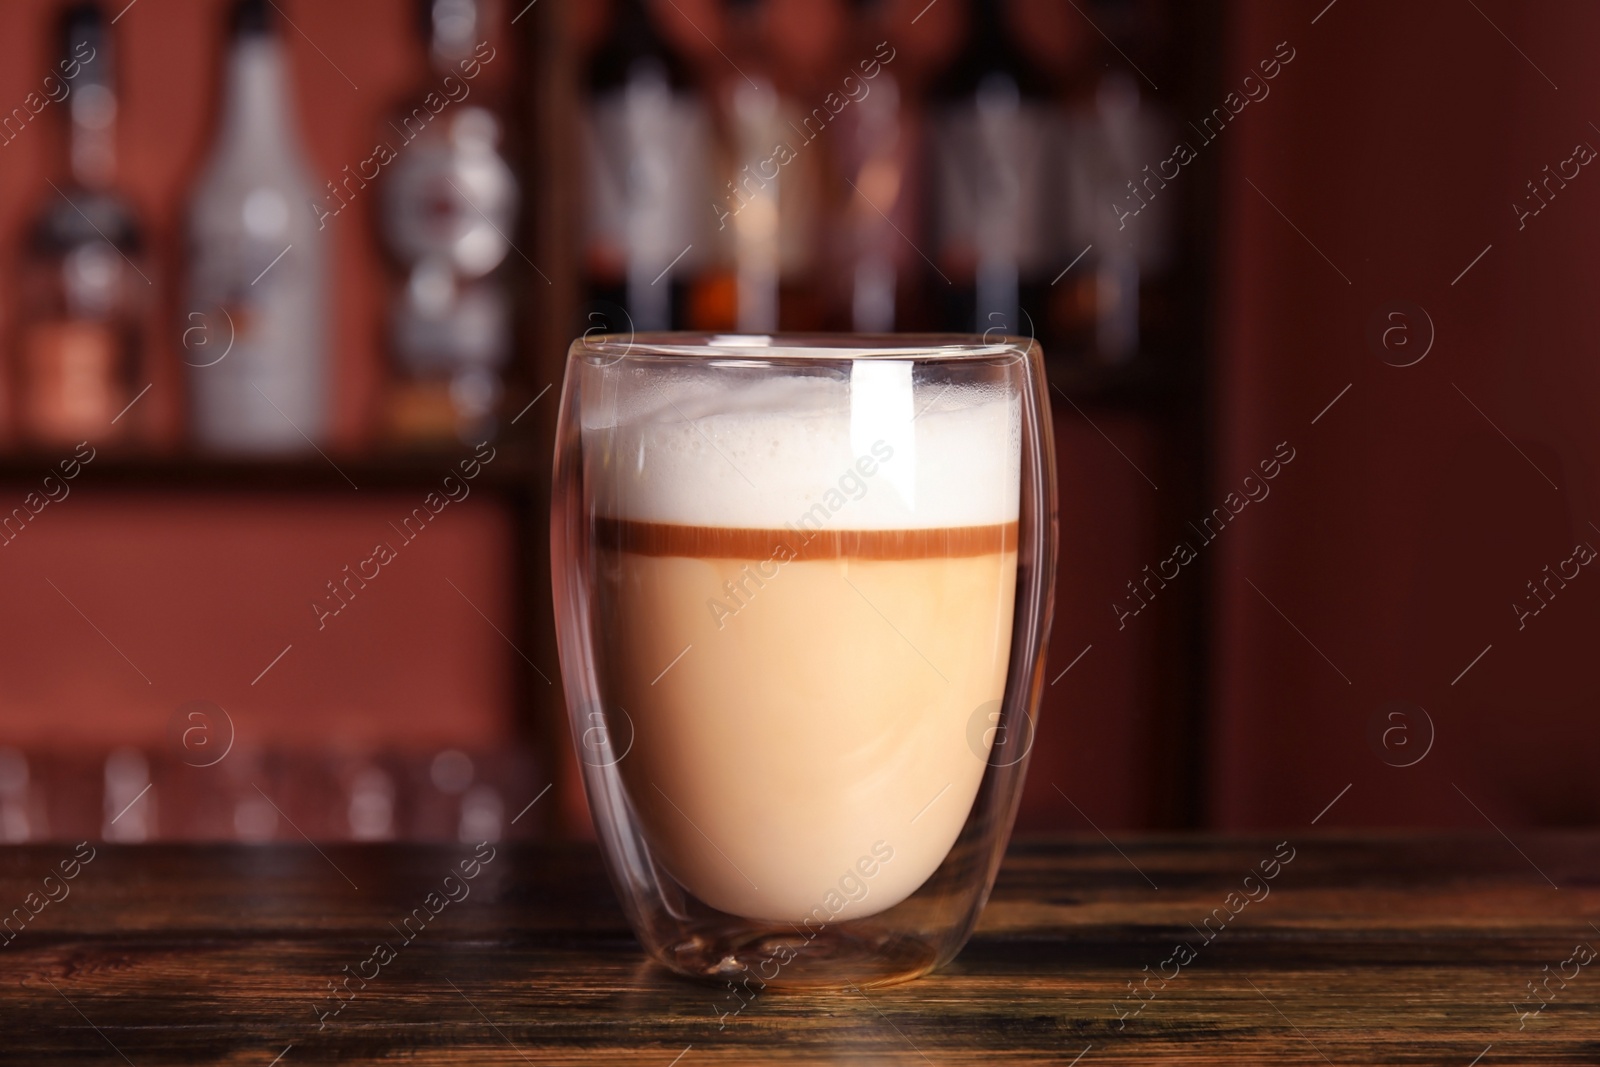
(1393, 949)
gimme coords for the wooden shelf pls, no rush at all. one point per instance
(518, 467)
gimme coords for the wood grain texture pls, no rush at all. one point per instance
(1395, 949)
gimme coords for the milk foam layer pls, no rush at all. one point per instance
(740, 450)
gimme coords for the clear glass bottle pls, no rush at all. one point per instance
(449, 208)
(875, 156)
(258, 271)
(85, 281)
(779, 108)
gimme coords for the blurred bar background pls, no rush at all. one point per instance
(272, 271)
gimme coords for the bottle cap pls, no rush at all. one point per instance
(252, 18)
(85, 24)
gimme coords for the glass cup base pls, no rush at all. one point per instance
(777, 956)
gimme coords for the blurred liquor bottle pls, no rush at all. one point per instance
(129, 798)
(450, 203)
(875, 155)
(780, 110)
(87, 284)
(992, 123)
(22, 815)
(256, 311)
(1120, 216)
(647, 145)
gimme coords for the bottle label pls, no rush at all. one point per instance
(72, 390)
(650, 190)
(452, 198)
(992, 184)
(260, 382)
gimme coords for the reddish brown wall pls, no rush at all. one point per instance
(200, 595)
(1096, 728)
(1408, 524)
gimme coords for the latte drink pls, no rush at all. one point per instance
(807, 588)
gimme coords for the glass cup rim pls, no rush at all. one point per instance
(700, 347)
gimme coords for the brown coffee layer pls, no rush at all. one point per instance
(720, 542)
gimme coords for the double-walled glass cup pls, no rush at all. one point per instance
(803, 590)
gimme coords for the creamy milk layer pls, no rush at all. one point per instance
(801, 725)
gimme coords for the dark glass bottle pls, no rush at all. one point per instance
(991, 120)
(651, 216)
(86, 285)
(450, 204)
(1119, 233)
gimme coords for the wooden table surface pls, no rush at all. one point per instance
(1392, 949)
